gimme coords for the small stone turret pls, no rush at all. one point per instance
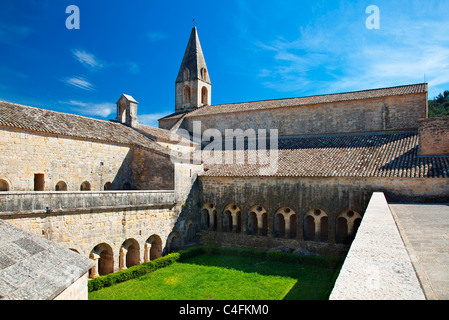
(127, 111)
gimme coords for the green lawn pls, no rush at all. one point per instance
(224, 277)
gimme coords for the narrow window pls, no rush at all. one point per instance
(204, 95)
(39, 182)
(186, 94)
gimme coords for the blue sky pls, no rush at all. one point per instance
(254, 50)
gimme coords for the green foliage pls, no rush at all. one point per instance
(310, 271)
(439, 106)
(132, 272)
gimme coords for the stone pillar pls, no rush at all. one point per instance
(146, 252)
(287, 227)
(122, 258)
(317, 229)
(94, 269)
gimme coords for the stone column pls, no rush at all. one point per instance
(146, 252)
(317, 229)
(122, 258)
(287, 227)
(94, 269)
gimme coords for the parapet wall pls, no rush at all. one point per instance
(27, 202)
(377, 266)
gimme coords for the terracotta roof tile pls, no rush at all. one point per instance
(47, 121)
(371, 155)
(290, 102)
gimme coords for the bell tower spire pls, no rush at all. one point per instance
(193, 86)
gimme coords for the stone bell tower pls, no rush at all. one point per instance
(193, 86)
(127, 111)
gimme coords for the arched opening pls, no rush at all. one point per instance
(204, 94)
(204, 73)
(279, 227)
(85, 186)
(126, 186)
(4, 185)
(61, 186)
(324, 229)
(190, 233)
(309, 228)
(205, 219)
(237, 227)
(234, 221)
(103, 256)
(186, 74)
(186, 94)
(107, 186)
(227, 221)
(129, 254)
(174, 242)
(252, 223)
(342, 230)
(293, 223)
(153, 248)
(122, 113)
(348, 223)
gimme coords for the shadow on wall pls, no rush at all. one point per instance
(184, 233)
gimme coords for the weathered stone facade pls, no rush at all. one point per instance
(83, 220)
(73, 161)
(434, 136)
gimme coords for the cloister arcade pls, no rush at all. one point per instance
(284, 223)
(129, 254)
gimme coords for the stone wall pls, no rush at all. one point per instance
(434, 136)
(309, 199)
(377, 265)
(24, 154)
(151, 171)
(82, 220)
(400, 113)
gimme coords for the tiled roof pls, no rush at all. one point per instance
(34, 268)
(290, 102)
(370, 155)
(47, 121)
(159, 134)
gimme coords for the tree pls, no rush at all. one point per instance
(439, 106)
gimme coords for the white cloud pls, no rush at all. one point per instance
(151, 119)
(87, 59)
(91, 109)
(344, 55)
(133, 67)
(79, 82)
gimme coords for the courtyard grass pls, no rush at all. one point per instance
(225, 277)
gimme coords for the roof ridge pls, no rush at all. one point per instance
(319, 95)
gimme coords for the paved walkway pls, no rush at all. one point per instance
(424, 229)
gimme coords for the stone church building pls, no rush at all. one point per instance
(122, 193)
